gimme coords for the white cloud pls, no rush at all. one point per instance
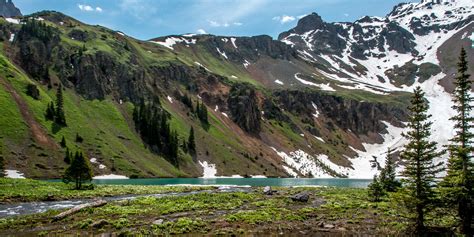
(201, 31)
(222, 24)
(346, 15)
(88, 8)
(284, 19)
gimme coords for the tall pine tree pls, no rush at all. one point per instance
(419, 154)
(388, 173)
(191, 142)
(60, 117)
(50, 111)
(2, 166)
(457, 185)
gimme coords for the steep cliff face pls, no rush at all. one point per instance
(8, 9)
(357, 116)
(244, 107)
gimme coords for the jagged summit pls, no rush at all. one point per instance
(8, 9)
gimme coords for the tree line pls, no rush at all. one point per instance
(55, 112)
(152, 123)
(421, 186)
(200, 110)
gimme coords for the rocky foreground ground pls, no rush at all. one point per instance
(196, 211)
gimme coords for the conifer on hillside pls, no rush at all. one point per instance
(419, 154)
(457, 186)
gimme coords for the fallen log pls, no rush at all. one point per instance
(74, 210)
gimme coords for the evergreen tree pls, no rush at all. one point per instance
(60, 118)
(388, 174)
(67, 157)
(2, 167)
(79, 171)
(191, 142)
(419, 154)
(63, 142)
(184, 146)
(204, 115)
(375, 190)
(79, 139)
(457, 185)
(50, 112)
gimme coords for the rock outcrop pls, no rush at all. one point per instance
(8, 9)
(244, 108)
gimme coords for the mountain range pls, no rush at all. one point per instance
(323, 100)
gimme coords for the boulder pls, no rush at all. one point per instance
(268, 190)
(158, 222)
(301, 197)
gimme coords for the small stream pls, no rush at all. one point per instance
(27, 208)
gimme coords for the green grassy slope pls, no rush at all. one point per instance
(106, 132)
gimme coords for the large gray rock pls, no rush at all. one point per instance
(268, 190)
(301, 197)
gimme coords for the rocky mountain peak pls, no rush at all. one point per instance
(8, 9)
(309, 22)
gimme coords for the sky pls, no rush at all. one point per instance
(146, 19)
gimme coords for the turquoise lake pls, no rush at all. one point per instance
(254, 182)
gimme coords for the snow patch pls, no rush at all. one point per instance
(324, 87)
(13, 20)
(320, 139)
(14, 174)
(227, 116)
(290, 171)
(361, 164)
(110, 176)
(279, 82)
(171, 41)
(12, 37)
(316, 111)
(199, 64)
(306, 164)
(246, 63)
(210, 170)
(222, 53)
(259, 176)
(233, 42)
(170, 99)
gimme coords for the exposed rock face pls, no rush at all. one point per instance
(323, 37)
(243, 106)
(358, 116)
(8, 9)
